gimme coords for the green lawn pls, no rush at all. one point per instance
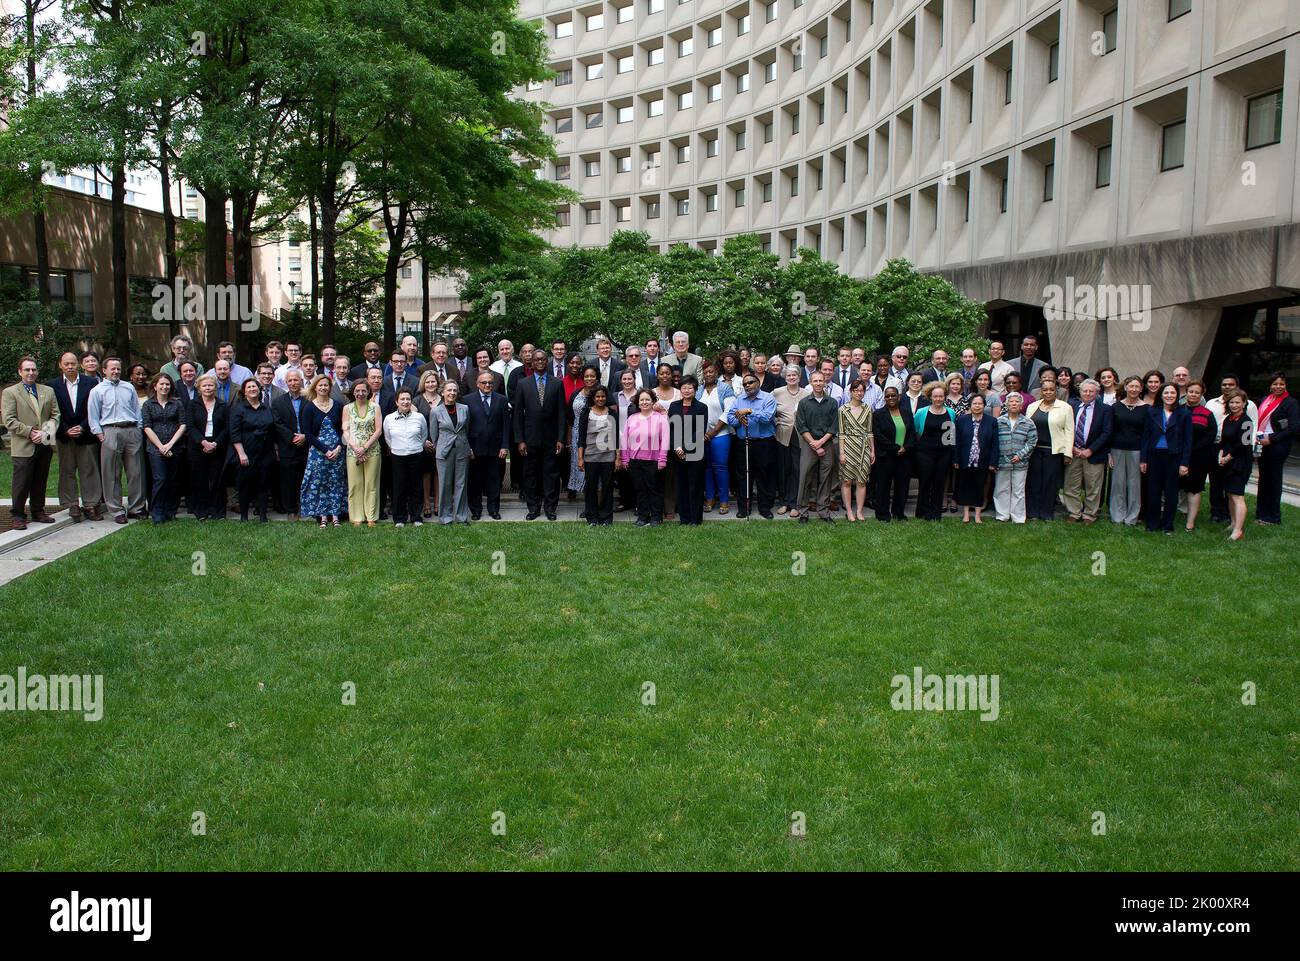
(522, 693)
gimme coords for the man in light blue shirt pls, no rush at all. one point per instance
(754, 420)
(113, 412)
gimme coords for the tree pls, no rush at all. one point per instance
(742, 307)
(925, 312)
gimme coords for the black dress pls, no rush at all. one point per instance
(253, 428)
(1237, 471)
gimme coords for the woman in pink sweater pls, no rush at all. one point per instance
(644, 450)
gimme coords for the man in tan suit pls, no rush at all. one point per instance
(31, 417)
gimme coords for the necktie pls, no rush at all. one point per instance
(652, 369)
(31, 389)
(541, 388)
(397, 384)
(1079, 425)
(487, 403)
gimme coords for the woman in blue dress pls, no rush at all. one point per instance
(324, 484)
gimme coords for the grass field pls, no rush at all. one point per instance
(522, 693)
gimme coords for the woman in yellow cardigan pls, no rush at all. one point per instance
(1054, 420)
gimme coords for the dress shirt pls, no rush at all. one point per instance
(843, 376)
(873, 397)
(817, 416)
(239, 374)
(762, 417)
(405, 433)
(281, 371)
(71, 386)
(112, 403)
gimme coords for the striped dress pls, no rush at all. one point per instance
(855, 429)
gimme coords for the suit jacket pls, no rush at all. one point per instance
(469, 385)
(22, 415)
(883, 429)
(358, 372)
(932, 373)
(282, 412)
(447, 372)
(388, 393)
(450, 440)
(1099, 431)
(616, 368)
(988, 435)
(70, 417)
(341, 393)
(196, 417)
(539, 422)
(1032, 379)
(854, 376)
(185, 394)
(489, 428)
(512, 382)
(647, 381)
(1177, 434)
(690, 366)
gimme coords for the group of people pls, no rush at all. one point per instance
(667, 434)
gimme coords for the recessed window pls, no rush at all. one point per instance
(655, 108)
(684, 153)
(654, 56)
(597, 118)
(715, 92)
(1049, 181)
(563, 28)
(742, 82)
(742, 25)
(1173, 145)
(595, 21)
(624, 114)
(742, 140)
(683, 207)
(561, 171)
(1264, 120)
(626, 63)
(685, 46)
(561, 218)
(740, 196)
(819, 178)
(622, 213)
(594, 70)
(1053, 62)
(769, 132)
(654, 6)
(794, 123)
(563, 124)
(652, 210)
(623, 164)
(794, 186)
(591, 168)
(823, 46)
(770, 12)
(767, 191)
(769, 72)
(1179, 7)
(715, 37)
(711, 202)
(1003, 192)
(821, 112)
(563, 77)
(625, 14)
(797, 61)
(1103, 166)
(711, 147)
(685, 100)
(1110, 30)
(1007, 84)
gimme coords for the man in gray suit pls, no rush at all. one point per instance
(682, 357)
(1028, 366)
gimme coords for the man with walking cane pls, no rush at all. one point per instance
(754, 418)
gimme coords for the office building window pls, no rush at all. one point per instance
(715, 37)
(563, 77)
(769, 132)
(1049, 179)
(742, 140)
(770, 12)
(684, 153)
(625, 14)
(654, 6)
(1110, 30)
(685, 46)
(683, 207)
(591, 215)
(563, 28)
(561, 171)
(1053, 63)
(654, 56)
(740, 196)
(655, 108)
(794, 186)
(1173, 145)
(685, 100)
(622, 213)
(594, 70)
(561, 218)
(595, 21)
(1003, 192)
(652, 210)
(1179, 7)
(563, 124)
(1103, 166)
(1007, 84)
(623, 164)
(711, 147)
(767, 191)
(596, 118)
(742, 82)
(624, 115)
(794, 123)
(769, 72)
(591, 168)
(1264, 120)
(711, 202)
(626, 63)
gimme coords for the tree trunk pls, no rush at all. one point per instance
(214, 255)
(329, 219)
(424, 306)
(120, 334)
(169, 236)
(396, 228)
(315, 262)
(38, 204)
(242, 204)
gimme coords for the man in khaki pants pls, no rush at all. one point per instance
(817, 422)
(114, 415)
(31, 417)
(78, 452)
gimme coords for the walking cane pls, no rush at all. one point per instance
(749, 479)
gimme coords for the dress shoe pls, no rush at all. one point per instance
(532, 515)
(495, 517)
(551, 517)
(119, 518)
(95, 515)
(18, 524)
(76, 515)
(43, 518)
(766, 515)
(803, 519)
(829, 520)
(136, 515)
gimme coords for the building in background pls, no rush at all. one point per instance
(1141, 151)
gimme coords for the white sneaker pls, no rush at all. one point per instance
(400, 524)
(417, 523)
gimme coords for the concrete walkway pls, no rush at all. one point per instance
(24, 551)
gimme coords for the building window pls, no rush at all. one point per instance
(1053, 62)
(794, 185)
(823, 46)
(685, 100)
(742, 26)
(685, 46)
(654, 56)
(596, 118)
(1173, 145)
(1007, 83)
(684, 153)
(591, 215)
(821, 112)
(595, 21)
(742, 140)
(563, 28)
(742, 82)
(1049, 178)
(296, 265)
(563, 77)
(652, 210)
(1003, 192)
(714, 93)
(561, 218)
(819, 178)
(654, 6)
(711, 202)
(624, 115)
(770, 12)
(623, 164)
(767, 191)
(740, 196)
(797, 61)
(563, 124)
(622, 213)
(683, 207)
(769, 72)
(715, 37)
(1179, 7)
(1264, 120)
(794, 123)
(591, 168)
(625, 14)
(594, 70)
(626, 62)
(1103, 166)
(711, 147)
(1110, 30)
(655, 108)
(561, 171)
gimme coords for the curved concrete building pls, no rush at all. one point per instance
(1116, 176)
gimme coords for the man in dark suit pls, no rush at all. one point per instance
(186, 390)
(371, 352)
(608, 367)
(539, 435)
(1094, 424)
(290, 442)
(489, 440)
(395, 381)
(845, 374)
(78, 450)
(938, 369)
